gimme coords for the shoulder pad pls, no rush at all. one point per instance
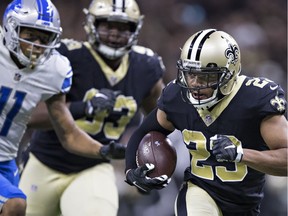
(143, 50)
(71, 44)
(270, 91)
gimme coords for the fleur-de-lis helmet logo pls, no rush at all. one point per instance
(232, 53)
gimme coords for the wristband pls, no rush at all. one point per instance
(239, 155)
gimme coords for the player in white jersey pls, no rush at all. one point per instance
(32, 71)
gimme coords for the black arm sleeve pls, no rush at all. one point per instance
(150, 123)
(77, 109)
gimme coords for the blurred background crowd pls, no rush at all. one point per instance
(259, 27)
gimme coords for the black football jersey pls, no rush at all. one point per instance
(137, 74)
(238, 116)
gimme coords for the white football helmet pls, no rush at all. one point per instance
(125, 11)
(41, 15)
(214, 55)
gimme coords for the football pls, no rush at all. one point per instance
(157, 149)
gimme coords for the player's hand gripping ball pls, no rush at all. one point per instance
(157, 149)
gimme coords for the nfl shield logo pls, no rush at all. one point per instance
(17, 77)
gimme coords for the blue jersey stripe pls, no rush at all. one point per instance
(67, 82)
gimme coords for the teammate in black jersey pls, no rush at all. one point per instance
(232, 125)
(113, 79)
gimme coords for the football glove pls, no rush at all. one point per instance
(113, 151)
(225, 150)
(137, 177)
(103, 100)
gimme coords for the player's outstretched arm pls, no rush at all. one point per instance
(274, 161)
(103, 100)
(70, 135)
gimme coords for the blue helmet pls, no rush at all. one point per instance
(34, 14)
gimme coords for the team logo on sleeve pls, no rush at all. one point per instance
(278, 103)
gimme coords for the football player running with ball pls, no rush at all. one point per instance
(32, 71)
(113, 79)
(232, 125)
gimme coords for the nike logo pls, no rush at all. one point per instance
(273, 87)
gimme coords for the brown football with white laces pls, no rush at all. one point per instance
(157, 149)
